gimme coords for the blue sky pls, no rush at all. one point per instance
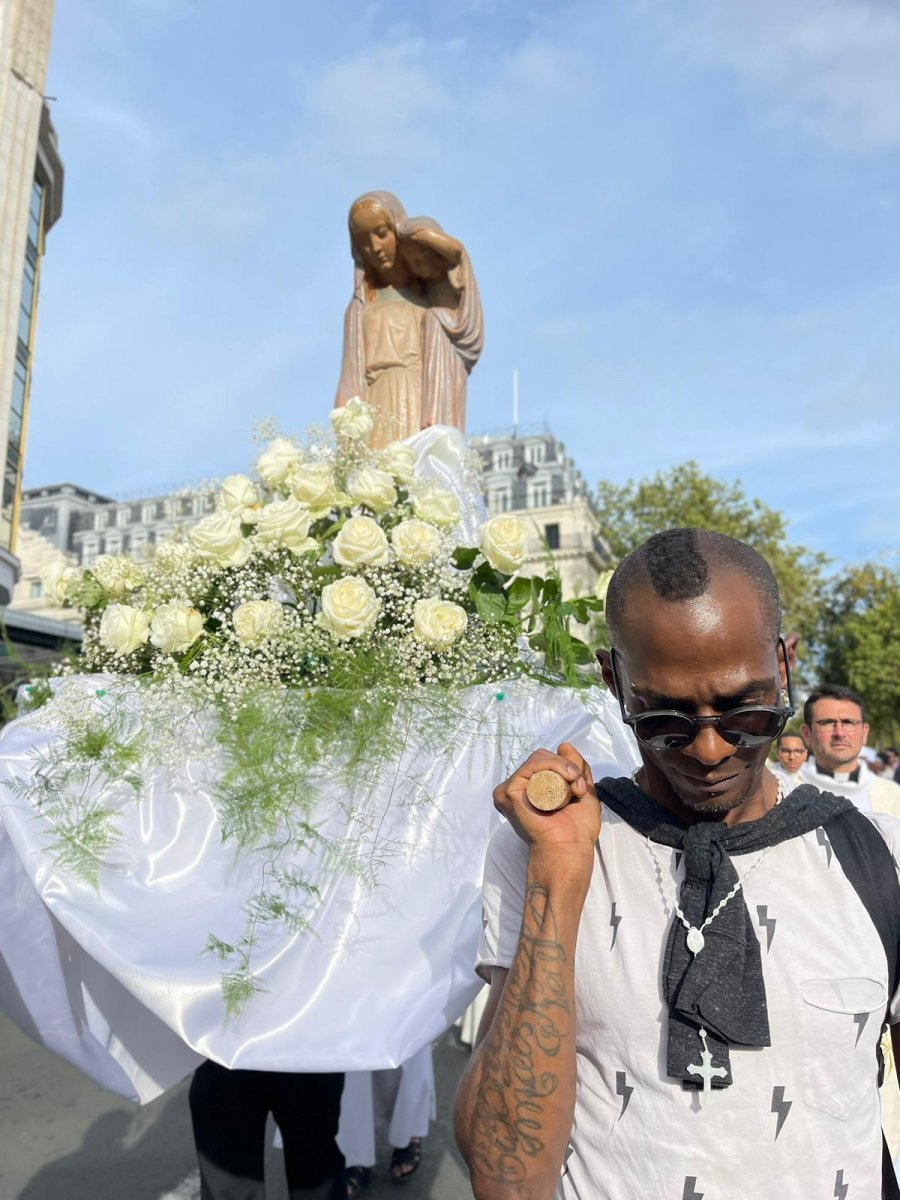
(683, 220)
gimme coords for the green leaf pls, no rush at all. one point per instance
(464, 557)
(518, 594)
(582, 651)
(579, 611)
(487, 577)
(488, 595)
(490, 604)
(552, 590)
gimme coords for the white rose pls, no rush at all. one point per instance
(503, 543)
(286, 523)
(601, 587)
(58, 579)
(438, 623)
(175, 626)
(219, 538)
(415, 542)
(361, 542)
(255, 620)
(313, 485)
(353, 419)
(349, 608)
(373, 488)
(123, 628)
(435, 504)
(116, 575)
(172, 556)
(276, 460)
(400, 460)
(239, 496)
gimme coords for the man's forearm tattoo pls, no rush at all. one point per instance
(517, 1085)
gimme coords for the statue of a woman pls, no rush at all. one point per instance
(413, 328)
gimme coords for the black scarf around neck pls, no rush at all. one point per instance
(721, 989)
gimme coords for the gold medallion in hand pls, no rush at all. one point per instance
(548, 791)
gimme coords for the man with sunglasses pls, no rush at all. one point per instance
(835, 729)
(686, 1003)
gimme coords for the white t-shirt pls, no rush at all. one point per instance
(802, 1118)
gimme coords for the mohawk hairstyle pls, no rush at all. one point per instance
(679, 564)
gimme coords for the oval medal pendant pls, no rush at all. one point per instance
(695, 940)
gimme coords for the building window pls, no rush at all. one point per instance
(17, 404)
(37, 589)
(34, 215)
(551, 533)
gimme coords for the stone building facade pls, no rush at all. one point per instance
(68, 525)
(31, 185)
(530, 474)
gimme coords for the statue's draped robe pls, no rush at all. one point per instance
(408, 352)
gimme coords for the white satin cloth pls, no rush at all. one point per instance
(113, 979)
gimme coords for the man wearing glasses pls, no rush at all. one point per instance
(835, 730)
(687, 1002)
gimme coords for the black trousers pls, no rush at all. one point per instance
(229, 1111)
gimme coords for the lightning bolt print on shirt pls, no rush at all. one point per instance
(615, 921)
(623, 1090)
(815, 1085)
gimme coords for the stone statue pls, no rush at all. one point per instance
(413, 329)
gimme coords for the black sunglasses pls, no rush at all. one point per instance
(750, 725)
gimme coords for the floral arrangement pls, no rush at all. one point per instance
(336, 567)
(329, 611)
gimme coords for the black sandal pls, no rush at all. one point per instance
(356, 1179)
(410, 1157)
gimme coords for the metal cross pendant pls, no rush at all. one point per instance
(706, 1070)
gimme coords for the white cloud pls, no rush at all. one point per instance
(829, 67)
(380, 109)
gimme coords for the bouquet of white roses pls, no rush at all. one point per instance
(336, 566)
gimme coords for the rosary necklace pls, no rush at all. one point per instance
(695, 939)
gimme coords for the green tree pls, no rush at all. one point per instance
(685, 495)
(860, 643)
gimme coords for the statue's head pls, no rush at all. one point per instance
(424, 262)
(374, 221)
